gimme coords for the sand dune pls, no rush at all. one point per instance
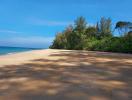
(65, 75)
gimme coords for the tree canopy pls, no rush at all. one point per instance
(123, 27)
(99, 37)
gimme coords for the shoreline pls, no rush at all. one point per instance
(14, 50)
(12, 53)
(27, 56)
(22, 57)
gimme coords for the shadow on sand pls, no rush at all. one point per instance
(68, 75)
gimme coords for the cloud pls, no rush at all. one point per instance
(42, 22)
(9, 31)
(23, 41)
(34, 41)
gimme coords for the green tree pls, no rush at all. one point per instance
(59, 42)
(77, 36)
(91, 31)
(67, 34)
(123, 27)
(80, 24)
(104, 28)
(98, 38)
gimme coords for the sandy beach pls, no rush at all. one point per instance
(66, 75)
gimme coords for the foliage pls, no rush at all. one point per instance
(123, 27)
(104, 28)
(80, 25)
(91, 32)
(96, 38)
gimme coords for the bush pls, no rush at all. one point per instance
(97, 38)
(110, 44)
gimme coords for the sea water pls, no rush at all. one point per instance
(11, 50)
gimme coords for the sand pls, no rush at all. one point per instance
(65, 75)
(23, 57)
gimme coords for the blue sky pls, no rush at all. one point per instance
(34, 23)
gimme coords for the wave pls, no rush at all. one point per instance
(12, 50)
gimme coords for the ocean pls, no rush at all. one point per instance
(11, 50)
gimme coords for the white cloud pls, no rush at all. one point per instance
(43, 22)
(28, 41)
(9, 31)
(32, 39)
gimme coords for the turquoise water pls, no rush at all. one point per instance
(10, 50)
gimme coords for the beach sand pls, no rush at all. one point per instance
(65, 75)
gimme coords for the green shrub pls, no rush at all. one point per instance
(97, 38)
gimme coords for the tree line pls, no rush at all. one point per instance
(99, 37)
